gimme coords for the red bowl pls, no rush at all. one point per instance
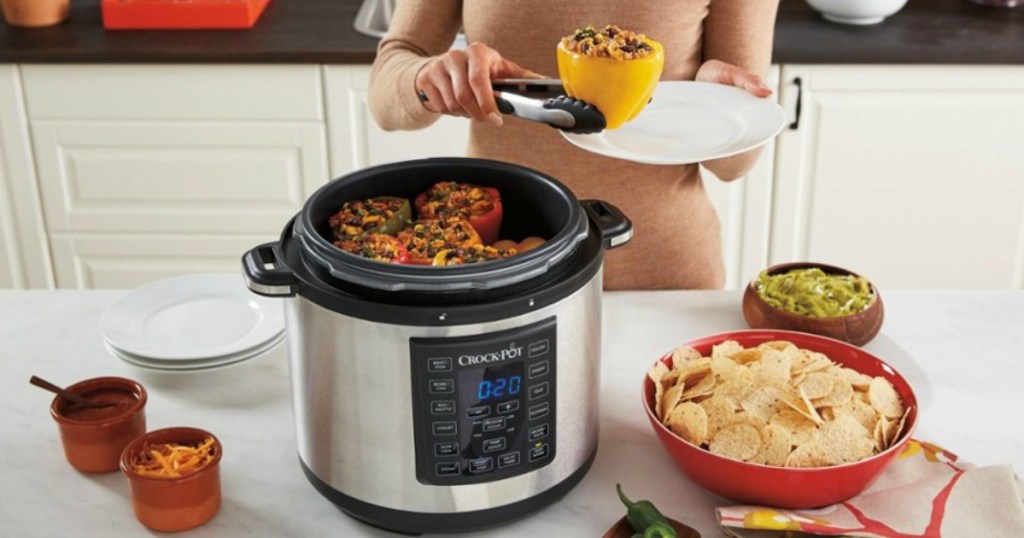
(783, 487)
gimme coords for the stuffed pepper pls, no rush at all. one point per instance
(376, 247)
(613, 69)
(471, 254)
(481, 206)
(425, 238)
(381, 215)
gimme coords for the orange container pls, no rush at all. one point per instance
(174, 504)
(181, 14)
(94, 438)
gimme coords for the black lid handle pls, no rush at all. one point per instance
(615, 227)
(266, 275)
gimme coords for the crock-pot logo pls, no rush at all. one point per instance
(509, 353)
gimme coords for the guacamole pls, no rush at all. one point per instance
(813, 292)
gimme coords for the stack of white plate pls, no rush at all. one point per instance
(192, 323)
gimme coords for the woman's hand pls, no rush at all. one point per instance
(458, 82)
(723, 73)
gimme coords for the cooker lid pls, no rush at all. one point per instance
(534, 204)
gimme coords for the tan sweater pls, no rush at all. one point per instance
(677, 233)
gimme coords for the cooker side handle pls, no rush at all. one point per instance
(266, 275)
(615, 227)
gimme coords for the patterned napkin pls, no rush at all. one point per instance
(927, 492)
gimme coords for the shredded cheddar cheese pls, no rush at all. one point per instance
(171, 460)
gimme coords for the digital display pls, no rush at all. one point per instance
(499, 387)
(485, 385)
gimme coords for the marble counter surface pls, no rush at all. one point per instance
(962, 351)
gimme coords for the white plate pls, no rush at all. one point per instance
(173, 368)
(192, 317)
(193, 364)
(689, 122)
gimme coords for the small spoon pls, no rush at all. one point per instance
(44, 384)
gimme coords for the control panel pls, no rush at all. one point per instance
(484, 405)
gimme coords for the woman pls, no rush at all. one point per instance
(677, 234)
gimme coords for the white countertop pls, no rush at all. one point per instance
(962, 351)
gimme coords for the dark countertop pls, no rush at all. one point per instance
(320, 31)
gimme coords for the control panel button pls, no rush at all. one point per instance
(481, 465)
(538, 348)
(537, 432)
(494, 445)
(445, 428)
(446, 449)
(448, 468)
(539, 390)
(508, 407)
(538, 369)
(439, 364)
(493, 424)
(538, 452)
(442, 386)
(442, 407)
(539, 411)
(478, 411)
(508, 460)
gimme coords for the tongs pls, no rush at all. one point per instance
(545, 101)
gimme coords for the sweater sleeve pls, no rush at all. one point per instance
(739, 32)
(419, 29)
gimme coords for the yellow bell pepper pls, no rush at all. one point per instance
(619, 89)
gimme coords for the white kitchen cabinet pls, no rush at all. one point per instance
(913, 176)
(357, 142)
(127, 260)
(148, 171)
(25, 259)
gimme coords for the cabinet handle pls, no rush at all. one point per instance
(799, 103)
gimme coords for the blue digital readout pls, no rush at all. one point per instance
(499, 387)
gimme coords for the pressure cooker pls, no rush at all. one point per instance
(445, 399)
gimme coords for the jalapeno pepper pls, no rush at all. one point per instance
(425, 238)
(381, 215)
(481, 206)
(645, 518)
(620, 88)
(377, 247)
(471, 254)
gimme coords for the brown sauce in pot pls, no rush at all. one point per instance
(123, 401)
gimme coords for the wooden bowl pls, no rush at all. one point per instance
(857, 329)
(621, 529)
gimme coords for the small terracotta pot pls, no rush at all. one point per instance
(94, 438)
(35, 13)
(174, 504)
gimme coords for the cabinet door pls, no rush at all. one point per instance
(154, 171)
(357, 142)
(115, 261)
(169, 177)
(25, 259)
(913, 176)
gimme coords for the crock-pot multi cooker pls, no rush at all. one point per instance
(445, 399)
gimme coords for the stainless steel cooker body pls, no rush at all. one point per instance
(454, 398)
(353, 387)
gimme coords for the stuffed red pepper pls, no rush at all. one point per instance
(376, 247)
(481, 206)
(425, 238)
(471, 254)
(381, 215)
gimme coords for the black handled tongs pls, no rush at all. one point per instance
(545, 101)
